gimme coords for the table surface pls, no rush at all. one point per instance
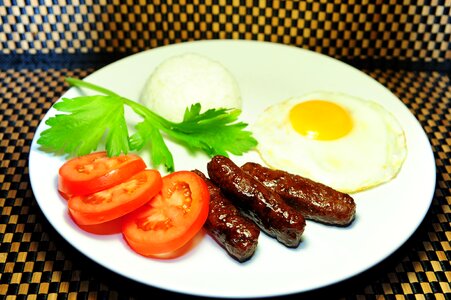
(36, 261)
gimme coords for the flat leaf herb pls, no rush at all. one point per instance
(87, 121)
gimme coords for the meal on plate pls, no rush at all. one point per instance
(317, 148)
(159, 215)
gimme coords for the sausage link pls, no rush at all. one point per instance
(314, 200)
(237, 234)
(264, 207)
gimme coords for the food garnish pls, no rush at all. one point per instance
(116, 201)
(89, 120)
(158, 216)
(96, 171)
(171, 219)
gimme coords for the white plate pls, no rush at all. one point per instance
(267, 73)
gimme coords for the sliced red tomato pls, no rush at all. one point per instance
(116, 201)
(171, 219)
(94, 172)
(107, 228)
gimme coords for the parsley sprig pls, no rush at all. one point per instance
(87, 121)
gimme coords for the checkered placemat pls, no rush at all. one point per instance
(379, 36)
(36, 262)
(401, 30)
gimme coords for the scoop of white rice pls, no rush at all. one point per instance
(183, 80)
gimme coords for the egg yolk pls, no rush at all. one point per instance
(320, 120)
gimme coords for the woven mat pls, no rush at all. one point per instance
(36, 261)
(405, 30)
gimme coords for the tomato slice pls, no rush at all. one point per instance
(96, 171)
(106, 228)
(116, 201)
(171, 219)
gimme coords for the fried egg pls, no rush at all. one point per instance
(186, 79)
(345, 142)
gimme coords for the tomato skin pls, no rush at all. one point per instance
(107, 228)
(171, 219)
(116, 201)
(96, 171)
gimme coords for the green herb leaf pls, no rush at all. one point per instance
(89, 119)
(216, 131)
(148, 135)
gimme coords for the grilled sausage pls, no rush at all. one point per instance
(314, 200)
(264, 207)
(237, 234)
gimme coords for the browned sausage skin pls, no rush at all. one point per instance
(314, 200)
(265, 207)
(237, 234)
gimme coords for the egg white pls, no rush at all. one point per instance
(371, 154)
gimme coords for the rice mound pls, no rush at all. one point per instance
(183, 80)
